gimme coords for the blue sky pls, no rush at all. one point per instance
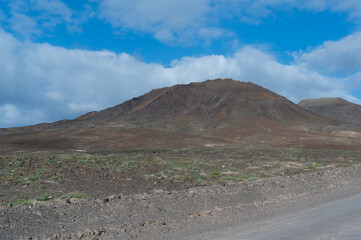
(60, 59)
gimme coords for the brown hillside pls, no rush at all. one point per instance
(211, 113)
(203, 108)
(336, 108)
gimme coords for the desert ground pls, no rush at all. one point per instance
(192, 212)
(175, 193)
(197, 161)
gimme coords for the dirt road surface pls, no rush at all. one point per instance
(338, 219)
(288, 207)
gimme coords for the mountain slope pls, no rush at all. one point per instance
(202, 108)
(211, 113)
(335, 108)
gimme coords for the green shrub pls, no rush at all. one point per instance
(43, 197)
(214, 174)
(21, 202)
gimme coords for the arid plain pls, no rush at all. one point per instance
(218, 138)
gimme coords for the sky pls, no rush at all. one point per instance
(63, 58)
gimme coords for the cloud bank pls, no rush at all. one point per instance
(341, 57)
(44, 83)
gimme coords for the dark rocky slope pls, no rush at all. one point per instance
(335, 108)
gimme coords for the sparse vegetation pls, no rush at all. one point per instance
(16, 202)
(179, 167)
(180, 178)
(43, 197)
(214, 174)
(343, 165)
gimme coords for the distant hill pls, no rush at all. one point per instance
(336, 108)
(209, 113)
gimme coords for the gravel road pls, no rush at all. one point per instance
(280, 207)
(338, 219)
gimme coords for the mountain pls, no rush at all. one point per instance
(335, 108)
(210, 113)
(201, 108)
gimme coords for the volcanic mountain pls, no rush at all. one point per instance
(201, 108)
(214, 112)
(335, 108)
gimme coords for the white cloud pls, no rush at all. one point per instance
(211, 33)
(46, 8)
(83, 107)
(167, 20)
(250, 64)
(340, 58)
(335, 57)
(41, 82)
(11, 115)
(53, 8)
(65, 83)
(32, 18)
(24, 25)
(351, 7)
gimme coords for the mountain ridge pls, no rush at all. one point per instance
(335, 108)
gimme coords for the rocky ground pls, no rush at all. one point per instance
(28, 176)
(176, 214)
